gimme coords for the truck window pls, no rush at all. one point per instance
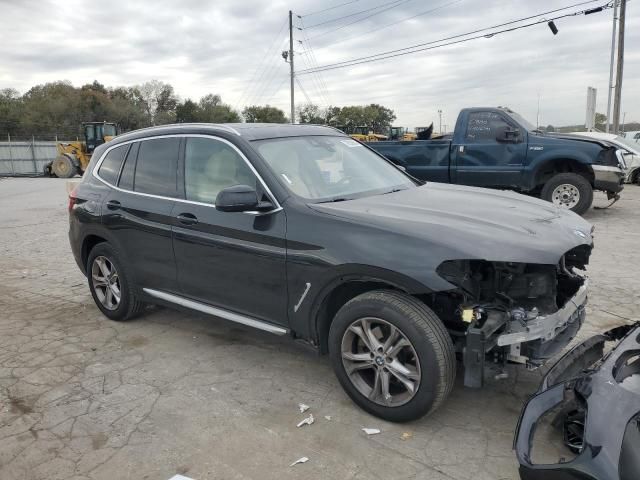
(484, 126)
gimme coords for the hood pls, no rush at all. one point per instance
(460, 222)
(577, 138)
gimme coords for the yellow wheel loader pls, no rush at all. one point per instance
(401, 133)
(365, 134)
(73, 157)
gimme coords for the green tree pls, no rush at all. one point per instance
(160, 101)
(600, 121)
(188, 111)
(213, 110)
(263, 114)
(310, 113)
(10, 112)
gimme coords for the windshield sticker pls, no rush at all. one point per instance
(286, 178)
(350, 143)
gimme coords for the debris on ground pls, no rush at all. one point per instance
(307, 421)
(327, 417)
(406, 435)
(371, 431)
(300, 460)
(303, 407)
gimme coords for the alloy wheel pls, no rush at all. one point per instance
(380, 362)
(106, 283)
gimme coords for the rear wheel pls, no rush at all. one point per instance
(111, 285)
(63, 167)
(568, 190)
(392, 355)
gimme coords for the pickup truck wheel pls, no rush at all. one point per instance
(110, 283)
(568, 190)
(392, 355)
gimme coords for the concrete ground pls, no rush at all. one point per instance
(83, 397)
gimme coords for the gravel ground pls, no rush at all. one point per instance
(82, 397)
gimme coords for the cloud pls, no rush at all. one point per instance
(234, 49)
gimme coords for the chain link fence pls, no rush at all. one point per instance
(28, 156)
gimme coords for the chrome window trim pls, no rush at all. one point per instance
(94, 172)
(217, 311)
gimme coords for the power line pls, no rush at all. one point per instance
(312, 57)
(330, 8)
(304, 92)
(251, 84)
(356, 13)
(415, 48)
(342, 40)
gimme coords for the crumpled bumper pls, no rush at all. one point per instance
(605, 388)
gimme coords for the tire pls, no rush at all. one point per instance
(568, 190)
(429, 358)
(63, 167)
(128, 306)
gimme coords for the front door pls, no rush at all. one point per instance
(483, 160)
(231, 260)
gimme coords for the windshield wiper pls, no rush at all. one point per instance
(339, 199)
(393, 191)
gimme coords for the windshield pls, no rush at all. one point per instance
(524, 123)
(109, 130)
(330, 168)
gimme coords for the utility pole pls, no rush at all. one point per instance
(293, 112)
(613, 56)
(620, 63)
(440, 115)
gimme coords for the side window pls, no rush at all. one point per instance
(156, 167)
(111, 164)
(484, 126)
(210, 166)
(129, 168)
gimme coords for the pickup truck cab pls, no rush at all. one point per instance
(497, 148)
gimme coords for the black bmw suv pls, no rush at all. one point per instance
(300, 230)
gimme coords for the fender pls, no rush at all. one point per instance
(354, 273)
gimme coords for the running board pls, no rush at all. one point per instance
(217, 312)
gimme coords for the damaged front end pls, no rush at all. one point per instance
(518, 312)
(594, 398)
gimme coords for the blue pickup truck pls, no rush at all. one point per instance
(497, 148)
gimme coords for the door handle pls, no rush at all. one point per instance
(461, 149)
(187, 219)
(113, 205)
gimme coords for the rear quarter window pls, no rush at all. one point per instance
(156, 167)
(110, 167)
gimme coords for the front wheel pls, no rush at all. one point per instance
(568, 190)
(392, 355)
(63, 167)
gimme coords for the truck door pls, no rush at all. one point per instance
(489, 152)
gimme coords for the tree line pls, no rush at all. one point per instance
(58, 109)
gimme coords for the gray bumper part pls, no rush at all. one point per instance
(607, 178)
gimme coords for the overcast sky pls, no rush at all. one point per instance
(233, 47)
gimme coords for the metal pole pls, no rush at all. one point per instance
(33, 154)
(13, 170)
(293, 113)
(440, 121)
(613, 56)
(620, 63)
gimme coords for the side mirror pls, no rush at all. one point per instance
(507, 135)
(239, 198)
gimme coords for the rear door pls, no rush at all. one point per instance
(423, 159)
(482, 160)
(138, 211)
(232, 260)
